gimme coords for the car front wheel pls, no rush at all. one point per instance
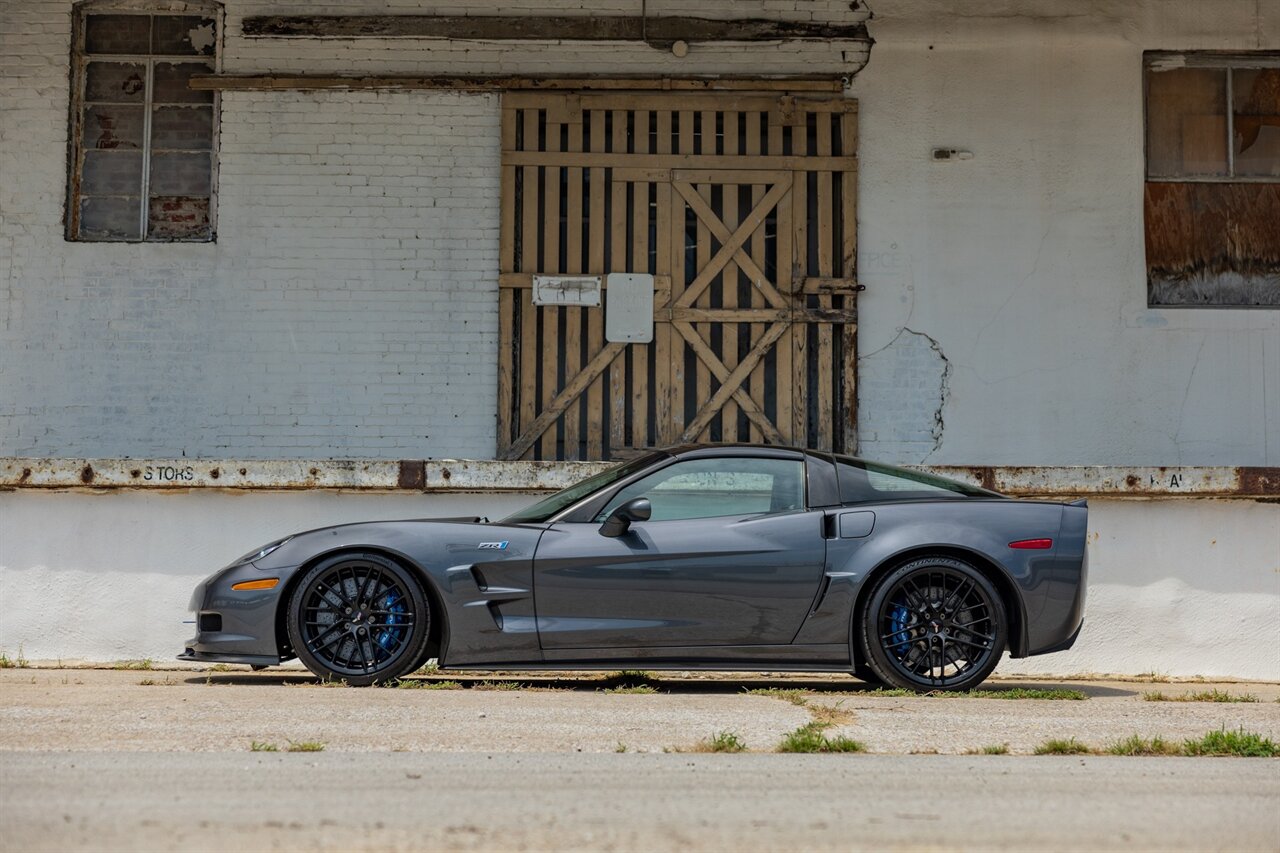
(359, 618)
(935, 623)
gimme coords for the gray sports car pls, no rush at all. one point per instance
(727, 557)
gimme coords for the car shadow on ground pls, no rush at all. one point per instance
(640, 682)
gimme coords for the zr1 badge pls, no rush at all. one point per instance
(493, 546)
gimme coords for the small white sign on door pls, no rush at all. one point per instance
(567, 290)
(628, 314)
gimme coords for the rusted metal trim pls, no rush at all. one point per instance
(492, 83)
(476, 475)
(660, 31)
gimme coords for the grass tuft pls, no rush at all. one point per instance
(497, 685)
(1022, 693)
(1214, 695)
(222, 667)
(19, 662)
(263, 746)
(721, 742)
(1137, 745)
(631, 688)
(145, 663)
(165, 682)
(795, 697)
(1059, 746)
(810, 738)
(1239, 743)
(990, 749)
(423, 684)
(306, 746)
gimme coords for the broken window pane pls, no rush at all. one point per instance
(1187, 122)
(189, 128)
(175, 34)
(140, 123)
(1256, 121)
(118, 34)
(179, 218)
(116, 82)
(179, 174)
(111, 126)
(112, 173)
(110, 218)
(171, 83)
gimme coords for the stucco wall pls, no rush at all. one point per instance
(1179, 586)
(1005, 315)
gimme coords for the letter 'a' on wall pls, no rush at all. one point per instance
(1212, 196)
(143, 143)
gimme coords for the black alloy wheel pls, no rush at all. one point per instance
(935, 623)
(359, 618)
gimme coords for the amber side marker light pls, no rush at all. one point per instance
(1032, 544)
(265, 583)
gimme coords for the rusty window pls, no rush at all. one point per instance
(143, 143)
(1212, 195)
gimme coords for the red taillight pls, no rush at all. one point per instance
(1032, 544)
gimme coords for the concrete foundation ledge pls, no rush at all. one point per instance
(479, 475)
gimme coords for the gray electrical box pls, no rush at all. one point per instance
(628, 308)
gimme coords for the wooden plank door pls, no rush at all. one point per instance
(742, 208)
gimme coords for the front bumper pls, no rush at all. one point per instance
(238, 626)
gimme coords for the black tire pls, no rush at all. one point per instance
(359, 618)
(935, 623)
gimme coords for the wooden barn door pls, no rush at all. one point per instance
(742, 208)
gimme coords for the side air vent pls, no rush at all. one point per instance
(211, 622)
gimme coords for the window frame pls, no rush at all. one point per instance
(78, 80)
(1213, 60)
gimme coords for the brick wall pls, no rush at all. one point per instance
(348, 307)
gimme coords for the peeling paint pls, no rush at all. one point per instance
(490, 476)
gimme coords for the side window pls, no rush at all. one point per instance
(705, 488)
(862, 481)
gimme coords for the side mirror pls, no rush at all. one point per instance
(619, 521)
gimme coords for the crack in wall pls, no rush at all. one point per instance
(944, 391)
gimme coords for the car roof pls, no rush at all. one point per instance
(699, 451)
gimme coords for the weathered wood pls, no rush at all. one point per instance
(511, 84)
(781, 163)
(530, 214)
(827, 371)
(596, 219)
(640, 264)
(556, 406)
(731, 382)
(715, 197)
(572, 264)
(654, 29)
(849, 269)
(506, 299)
(618, 241)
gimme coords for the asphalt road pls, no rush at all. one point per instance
(107, 760)
(475, 801)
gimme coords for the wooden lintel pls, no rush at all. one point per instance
(657, 30)
(489, 83)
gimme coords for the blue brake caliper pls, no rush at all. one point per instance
(390, 635)
(898, 623)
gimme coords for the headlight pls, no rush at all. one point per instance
(259, 553)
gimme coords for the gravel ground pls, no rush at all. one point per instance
(75, 709)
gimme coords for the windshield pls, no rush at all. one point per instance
(562, 500)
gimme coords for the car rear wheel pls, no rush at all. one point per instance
(935, 623)
(359, 618)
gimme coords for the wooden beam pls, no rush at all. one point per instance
(491, 82)
(655, 30)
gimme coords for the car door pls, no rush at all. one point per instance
(729, 557)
